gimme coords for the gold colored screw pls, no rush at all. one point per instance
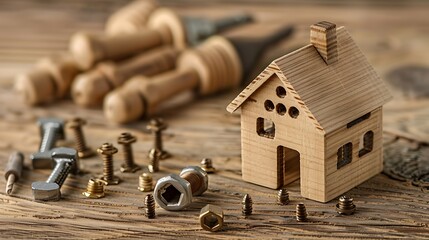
(126, 139)
(83, 150)
(145, 182)
(283, 197)
(156, 126)
(154, 156)
(345, 205)
(301, 213)
(247, 203)
(107, 150)
(94, 189)
(150, 206)
(207, 165)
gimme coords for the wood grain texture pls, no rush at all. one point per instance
(386, 208)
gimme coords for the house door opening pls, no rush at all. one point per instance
(287, 165)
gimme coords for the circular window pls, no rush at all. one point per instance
(281, 92)
(293, 112)
(269, 106)
(281, 109)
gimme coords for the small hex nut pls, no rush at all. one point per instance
(202, 174)
(173, 193)
(211, 218)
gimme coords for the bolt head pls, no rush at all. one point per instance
(126, 138)
(43, 191)
(107, 149)
(86, 153)
(130, 169)
(211, 218)
(156, 125)
(114, 181)
(56, 123)
(76, 122)
(173, 193)
(200, 172)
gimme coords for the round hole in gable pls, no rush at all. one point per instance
(281, 92)
(281, 109)
(269, 105)
(293, 112)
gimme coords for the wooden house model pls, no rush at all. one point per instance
(314, 114)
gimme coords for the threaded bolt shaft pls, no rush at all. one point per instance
(107, 150)
(301, 213)
(76, 126)
(108, 167)
(283, 197)
(154, 156)
(149, 203)
(247, 205)
(156, 126)
(345, 205)
(126, 140)
(145, 182)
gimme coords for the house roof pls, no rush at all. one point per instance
(331, 95)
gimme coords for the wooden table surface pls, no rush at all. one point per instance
(393, 35)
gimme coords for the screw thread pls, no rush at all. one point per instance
(95, 187)
(48, 139)
(194, 180)
(283, 197)
(60, 172)
(108, 167)
(150, 206)
(301, 212)
(145, 182)
(80, 139)
(154, 156)
(247, 205)
(158, 140)
(345, 205)
(128, 155)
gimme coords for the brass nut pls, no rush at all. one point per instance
(95, 189)
(211, 218)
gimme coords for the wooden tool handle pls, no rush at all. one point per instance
(169, 24)
(89, 49)
(89, 89)
(131, 18)
(142, 96)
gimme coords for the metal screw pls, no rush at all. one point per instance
(145, 182)
(94, 189)
(345, 205)
(247, 205)
(175, 192)
(154, 156)
(149, 202)
(65, 158)
(107, 150)
(82, 149)
(126, 139)
(283, 197)
(13, 170)
(51, 130)
(156, 126)
(211, 218)
(207, 165)
(301, 213)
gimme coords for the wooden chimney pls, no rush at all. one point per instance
(323, 36)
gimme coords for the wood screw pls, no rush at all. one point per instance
(107, 150)
(283, 197)
(149, 203)
(154, 156)
(83, 150)
(301, 213)
(247, 205)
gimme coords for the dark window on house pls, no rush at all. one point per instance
(368, 143)
(281, 92)
(281, 109)
(265, 128)
(358, 120)
(269, 105)
(344, 155)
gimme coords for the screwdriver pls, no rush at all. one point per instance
(13, 170)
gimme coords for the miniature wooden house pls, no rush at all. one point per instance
(314, 114)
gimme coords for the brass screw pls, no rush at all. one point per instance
(94, 189)
(207, 165)
(150, 206)
(83, 150)
(247, 205)
(145, 182)
(107, 150)
(345, 205)
(211, 218)
(154, 156)
(301, 213)
(283, 197)
(156, 126)
(126, 139)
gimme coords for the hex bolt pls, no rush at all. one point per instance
(65, 158)
(51, 130)
(145, 182)
(154, 156)
(345, 205)
(107, 150)
(13, 170)
(247, 205)
(82, 149)
(94, 189)
(211, 218)
(207, 165)
(126, 139)
(301, 213)
(157, 126)
(175, 192)
(283, 197)
(149, 203)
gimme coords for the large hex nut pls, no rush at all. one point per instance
(173, 193)
(201, 174)
(211, 218)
